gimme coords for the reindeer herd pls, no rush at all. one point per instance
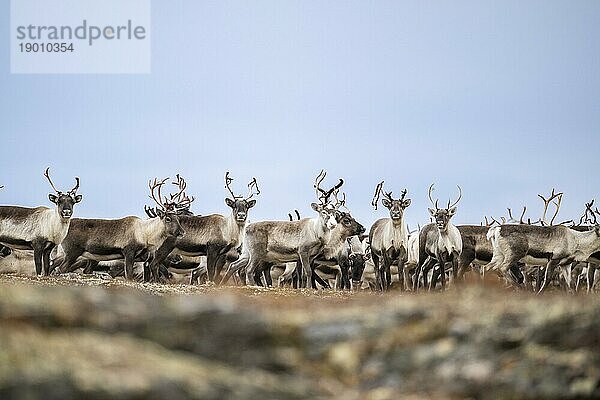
(329, 250)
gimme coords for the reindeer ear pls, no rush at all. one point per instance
(251, 203)
(406, 203)
(452, 211)
(386, 203)
(160, 212)
(53, 198)
(78, 198)
(316, 207)
(432, 212)
(229, 202)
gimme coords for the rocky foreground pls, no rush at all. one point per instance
(90, 338)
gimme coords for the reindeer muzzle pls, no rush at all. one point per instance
(241, 216)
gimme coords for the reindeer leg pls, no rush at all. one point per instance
(455, 256)
(129, 267)
(46, 257)
(38, 252)
(424, 270)
(290, 268)
(306, 267)
(267, 276)
(317, 279)
(294, 277)
(590, 276)
(211, 262)
(219, 264)
(378, 280)
(402, 270)
(548, 275)
(386, 276)
(442, 274)
(235, 266)
(251, 269)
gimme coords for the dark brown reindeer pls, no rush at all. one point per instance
(212, 235)
(39, 229)
(270, 243)
(439, 242)
(389, 238)
(129, 238)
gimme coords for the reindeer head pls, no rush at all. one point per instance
(238, 204)
(396, 207)
(442, 216)
(165, 211)
(344, 219)
(64, 201)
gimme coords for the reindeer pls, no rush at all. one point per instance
(555, 245)
(275, 242)
(521, 271)
(213, 236)
(389, 238)
(39, 229)
(129, 238)
(336, 253)
(439, 242)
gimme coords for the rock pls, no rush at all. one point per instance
(85, 337)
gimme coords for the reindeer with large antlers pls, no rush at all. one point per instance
(440, 243)
(129, 238)
(336, 255)
(39, 229)
(546, 246)
(215, 236)
(389, 238)
(278, 242)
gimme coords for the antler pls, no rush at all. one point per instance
(333, 190)
(589, 216)
(297, 215)
(157, 185)
(435, 204)
(47, 175)
(251, 186)
(402, 194)
(178, 201)
(340, 203)
(325, 195)
(513, 220)
(378, 190)
(492, 222)
(150, 212)
(228, 181)
(547, 202)
(182, 185)
(457, 200)
(557, 203)
(74, 190)
(317, 185)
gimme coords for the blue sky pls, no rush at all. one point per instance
(502, 98)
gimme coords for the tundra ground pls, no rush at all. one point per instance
(76, 336)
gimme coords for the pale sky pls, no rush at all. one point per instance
(502, 98)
